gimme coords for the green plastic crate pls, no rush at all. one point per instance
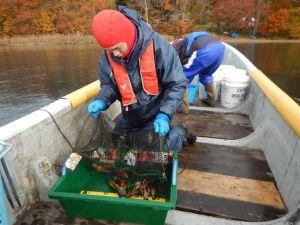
(67, 190)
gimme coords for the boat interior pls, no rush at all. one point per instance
(243, 169)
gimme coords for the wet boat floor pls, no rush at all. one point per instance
(224, 181)
(228, 182)
(216, 125)
(51, 213)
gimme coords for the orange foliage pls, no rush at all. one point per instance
(178, 28)
(294, 23)
(56, 16)
(45, 23)
(234, 15)
(275, 24)
(165, 16)
(282, 4)
(6, 21)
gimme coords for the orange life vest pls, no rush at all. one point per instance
(148, 76)
(175, 41)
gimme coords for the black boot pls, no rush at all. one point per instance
(189, 135)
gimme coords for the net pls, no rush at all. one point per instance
(137, 161)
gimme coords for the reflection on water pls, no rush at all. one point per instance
(32, 77)
(280, 62)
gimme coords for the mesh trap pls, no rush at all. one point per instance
(137, 161)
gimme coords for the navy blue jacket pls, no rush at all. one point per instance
(171, 79)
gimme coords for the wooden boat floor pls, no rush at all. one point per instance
(217, 125)
(228, 182)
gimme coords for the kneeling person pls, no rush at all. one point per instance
(142, 70)
(201, 54)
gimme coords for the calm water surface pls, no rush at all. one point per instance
(32, 77)
(280, 62)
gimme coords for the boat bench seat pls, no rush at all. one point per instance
(217, 125)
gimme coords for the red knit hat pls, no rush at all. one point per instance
(110, 27)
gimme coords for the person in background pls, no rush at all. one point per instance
(201, 54)
(141, 69)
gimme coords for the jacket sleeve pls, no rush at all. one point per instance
(202, 61)
(193, 67)
(171, 77)
(108, 88)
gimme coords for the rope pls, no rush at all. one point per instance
(185, 164)
(64, 136)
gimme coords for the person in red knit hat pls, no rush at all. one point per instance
(114, 32)
(141, 69)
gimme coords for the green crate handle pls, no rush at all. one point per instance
(64, 170)
(174, 169)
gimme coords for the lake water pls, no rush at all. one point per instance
(280, 62)
(34, 76)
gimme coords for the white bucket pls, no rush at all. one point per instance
(235, 83)
(226, 69)
(218, 78)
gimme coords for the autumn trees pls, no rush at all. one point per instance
(233, 15)
(269, 18)
(23, 17)
(282, 20)
(165, 16)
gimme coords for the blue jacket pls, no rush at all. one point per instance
(200, 54)
(172, 81)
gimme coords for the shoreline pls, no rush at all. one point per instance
(59, 39)
(50, 39)
(249, 40)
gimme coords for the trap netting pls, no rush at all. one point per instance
(138, 161)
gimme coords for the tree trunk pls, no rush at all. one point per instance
(258, 15)
(146, 11)
(94, 7)
(205, 4)
(184, 8)
(176, 7)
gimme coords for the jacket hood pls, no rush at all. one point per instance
(144, 33)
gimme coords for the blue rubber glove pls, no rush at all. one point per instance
(96, 107)
(161, 124)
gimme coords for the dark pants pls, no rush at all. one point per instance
(144, 137)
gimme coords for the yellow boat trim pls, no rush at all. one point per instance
(83, 94)
(284, 104)
(115, 195)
